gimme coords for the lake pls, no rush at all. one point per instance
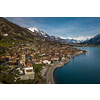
(82, 69)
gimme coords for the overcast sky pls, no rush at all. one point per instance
(73, 27)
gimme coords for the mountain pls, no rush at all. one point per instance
(54, 38)
(77, 40)
(72, 41)
(46, 36)
(11, 33)
(10, 29)
(95, 40)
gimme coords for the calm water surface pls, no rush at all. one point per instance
(82, 69)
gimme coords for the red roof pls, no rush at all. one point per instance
(28, 64)
(30, 70)
(23, 52)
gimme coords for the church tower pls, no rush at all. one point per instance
(23, 57)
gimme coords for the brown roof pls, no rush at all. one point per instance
(37, 60)
(12, 62)
(23, 52)
(28, 64)
(30, 70)
(42, 58)
(15, 56)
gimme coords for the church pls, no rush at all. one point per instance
(27, 66)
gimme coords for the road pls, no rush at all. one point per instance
(49, 76)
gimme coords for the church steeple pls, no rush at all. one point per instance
(23, 57)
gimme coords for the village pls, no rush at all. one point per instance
(30, 62)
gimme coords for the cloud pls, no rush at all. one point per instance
(72, 28)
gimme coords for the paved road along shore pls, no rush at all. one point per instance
(49, 77)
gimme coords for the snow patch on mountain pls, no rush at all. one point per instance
(33, 29)
(83, 38)
(77, 40)
(60, 39)
(43, 34)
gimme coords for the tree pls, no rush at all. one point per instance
(0, 37)
(9, 78)
(37, 70)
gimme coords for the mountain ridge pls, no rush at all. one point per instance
(55, 38)
(95, 40)
(11, 33)
(45, 35)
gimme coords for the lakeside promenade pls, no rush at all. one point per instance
(49, 77)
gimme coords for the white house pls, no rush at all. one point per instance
(63, 58)
(28, 69)
(55, 58)
(5, 35)
(47, 62)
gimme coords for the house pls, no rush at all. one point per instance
(28, 68)
(31, 55)
(12, 62)
(42, 53)
(33, 59)
(55, 58)
(38, 62)
(35, 48)
(47, 61)
(56, 53)
(5, 35)
(63, 58)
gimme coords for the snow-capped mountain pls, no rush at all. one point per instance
(95, 40)
(73, 41)
(45, 35)
(76, 40)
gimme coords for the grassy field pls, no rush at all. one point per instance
(5, 44)
(39, 66)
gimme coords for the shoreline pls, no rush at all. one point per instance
(49, 77)
(59, 66)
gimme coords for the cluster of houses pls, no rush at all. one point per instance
(40, 54)
(26, 55)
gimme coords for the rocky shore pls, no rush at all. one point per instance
(49, 76)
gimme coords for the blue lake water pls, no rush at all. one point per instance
(82, 69)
